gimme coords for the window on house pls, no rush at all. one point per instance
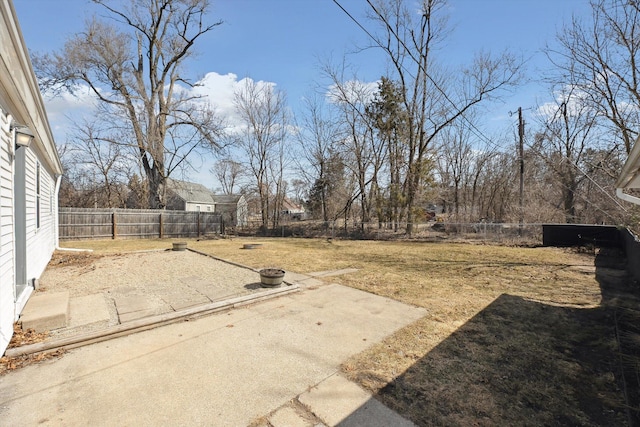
(38, 188)
(209, 208)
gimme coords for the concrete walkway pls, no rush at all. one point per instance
(228, 369)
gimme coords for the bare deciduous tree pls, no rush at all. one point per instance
(229, 173)
(317, 138)
(497, 192)
(432, 98)
(361, 152)
(569, 129)
(263, 111)
(455, 162)
(599, 57)
(134, 67)
(105, 162)
(299, 188)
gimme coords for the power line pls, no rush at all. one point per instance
(477, 132)
(588, 176)
(357, 23)
(563, 107)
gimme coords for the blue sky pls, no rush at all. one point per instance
(283, 41)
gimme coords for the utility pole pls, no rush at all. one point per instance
(521, 156)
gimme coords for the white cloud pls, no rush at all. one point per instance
(354, 91)
(574, 99)
(65, 108)
(217, 89)
(577, 102)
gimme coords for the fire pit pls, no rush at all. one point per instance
(180, 246)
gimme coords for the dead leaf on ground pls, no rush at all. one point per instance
(8, 364)
(29, 336)
(78, 259)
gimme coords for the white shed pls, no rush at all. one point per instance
(30, 173)
(234, 209)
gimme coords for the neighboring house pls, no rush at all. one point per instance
(30, 172)
(189, 196)
(292, 210)
(234, 209)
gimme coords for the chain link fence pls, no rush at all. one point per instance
(436, 231)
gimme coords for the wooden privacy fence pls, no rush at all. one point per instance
(82, 223)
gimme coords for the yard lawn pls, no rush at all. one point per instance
(513, 336)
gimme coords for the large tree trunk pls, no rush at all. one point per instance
(156, 183)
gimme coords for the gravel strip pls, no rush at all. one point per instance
(146, 272)
(163, 281)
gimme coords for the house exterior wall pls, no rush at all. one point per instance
(242, 212)
(21, 103)
(7, 276)
(199, 207)
(292, 211)
(631, 246)
(40, 234)
(41, 240)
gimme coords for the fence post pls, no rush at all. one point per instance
(114, 226)
(161, 224)
(198, 225)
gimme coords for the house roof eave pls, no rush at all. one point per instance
(630, 175)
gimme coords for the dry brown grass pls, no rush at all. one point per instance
(513, 336)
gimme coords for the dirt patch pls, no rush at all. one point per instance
(76, 259)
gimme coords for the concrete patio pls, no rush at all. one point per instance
(269, 357)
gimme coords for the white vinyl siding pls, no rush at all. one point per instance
(30, 190)
(35, 240)
(7, 309)
(38, 189)
(198, 207)
(40, 239)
